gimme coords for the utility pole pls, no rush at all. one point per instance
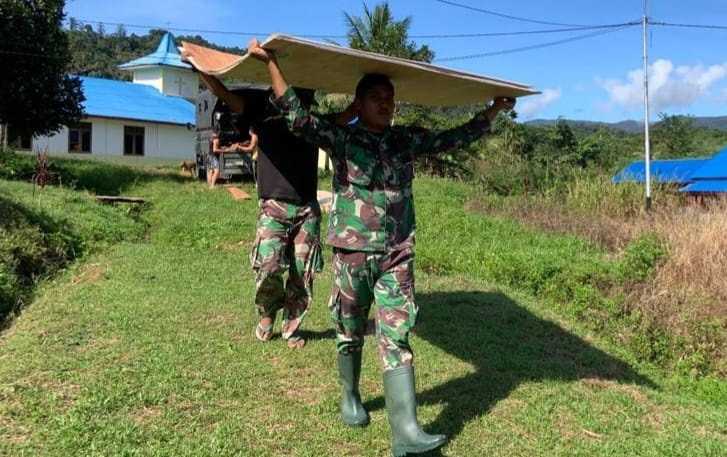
(647, 143)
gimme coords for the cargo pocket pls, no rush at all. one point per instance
(315, 260)
(255, 254)
(334, 308)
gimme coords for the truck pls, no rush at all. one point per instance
(213, 115)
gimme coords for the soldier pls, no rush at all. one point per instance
(288, 228)
(372, 233)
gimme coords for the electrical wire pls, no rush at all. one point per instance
(526, 32)
(691, 26)
(536, 46)
(29, 54)
(424, 36)
(600, 31)
(507, 16)
(187, 30)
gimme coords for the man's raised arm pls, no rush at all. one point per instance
(321, 131)
(234, 101)
(428, 142)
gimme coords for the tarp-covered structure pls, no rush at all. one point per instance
(703, 175)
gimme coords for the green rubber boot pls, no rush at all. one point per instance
(406, 435)
(349, 371)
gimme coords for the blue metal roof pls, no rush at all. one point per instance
(125, 100)
(166, 54)
(712, 185)
(716, 168)
(679, 171)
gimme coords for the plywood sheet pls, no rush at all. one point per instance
(238, 194)
(335, 69)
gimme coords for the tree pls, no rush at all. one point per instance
(377, 31)
(676, 134)
(37, 96)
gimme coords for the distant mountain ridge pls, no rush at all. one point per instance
(631, 126)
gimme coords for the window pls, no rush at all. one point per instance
(79, 138)
(18, 139)
(133, 141)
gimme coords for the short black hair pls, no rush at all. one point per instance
(371, 80)
(307, 97)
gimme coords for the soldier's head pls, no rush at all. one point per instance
(375, 101)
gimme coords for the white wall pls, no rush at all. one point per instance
(180, 83)
(150, 77)
(53, 143)
(177, 82)
(107, 139)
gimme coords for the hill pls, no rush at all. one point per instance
(98, 53)
(631, 126)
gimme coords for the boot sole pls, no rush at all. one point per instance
(356, 424)
(402, 451)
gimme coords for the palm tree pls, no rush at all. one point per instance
(377, 31)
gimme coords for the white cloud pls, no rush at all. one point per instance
(537, 103)
(669, 86)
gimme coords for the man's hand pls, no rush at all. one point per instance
(499, 104)
(277, 80)
(258, 52)
(346, 116)
(504, 103)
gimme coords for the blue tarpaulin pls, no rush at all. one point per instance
(662, 171)
(695, 175)
(716, 168)
(714, 185)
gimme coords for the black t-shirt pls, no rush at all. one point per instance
(287, 166)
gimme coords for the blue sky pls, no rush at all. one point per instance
(598, 78)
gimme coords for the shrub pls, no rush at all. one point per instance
(641, 257)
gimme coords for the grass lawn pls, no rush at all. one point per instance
(145, 348)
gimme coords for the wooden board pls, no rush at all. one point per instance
(335, 69)
(238, 194)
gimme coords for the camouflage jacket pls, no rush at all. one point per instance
(373, 207)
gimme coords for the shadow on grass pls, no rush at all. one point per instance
(32, 246)
(508, 346)
(317, 335)
(97, 176)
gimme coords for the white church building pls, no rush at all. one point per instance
(152, 116)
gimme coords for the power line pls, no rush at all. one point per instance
(424, 36)
(537, 46)
(526, 32)
(187, 30)
(691, 26)
(30, 54)
(603, 29)
(506, 16)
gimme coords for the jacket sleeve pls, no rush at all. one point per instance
(319, 130)
(437, 142)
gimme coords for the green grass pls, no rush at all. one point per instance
(43, 230)
(145, 348)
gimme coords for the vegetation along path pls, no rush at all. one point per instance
(144, 347)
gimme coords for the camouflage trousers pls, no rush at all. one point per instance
(287, 240)
(386, 277)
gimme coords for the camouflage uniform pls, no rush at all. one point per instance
(287, 239)
(372, 221)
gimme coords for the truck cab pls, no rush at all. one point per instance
(214, 116)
